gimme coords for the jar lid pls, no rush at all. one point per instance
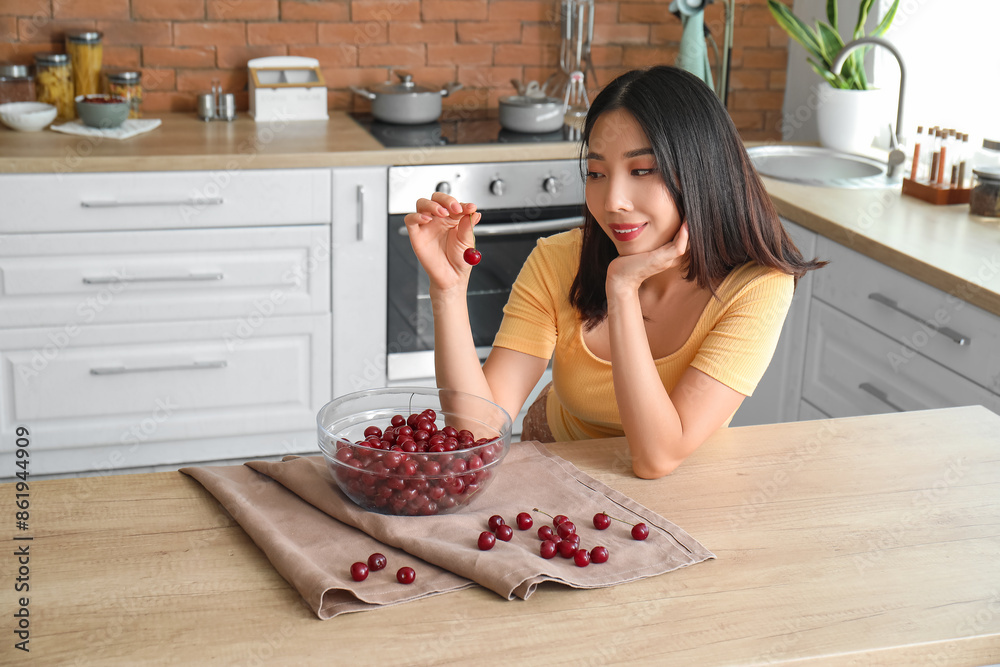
(124, 77)
(14, 72)
(51, 59)
(87, 37)
(991, 144)
(988, 173)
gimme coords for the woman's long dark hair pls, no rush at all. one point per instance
(707, 171)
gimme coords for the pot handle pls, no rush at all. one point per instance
(363, 92)
(451, 88)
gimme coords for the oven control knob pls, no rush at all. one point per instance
(551, 185)
(443, 186)
(498, 187)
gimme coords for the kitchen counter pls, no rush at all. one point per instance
(869, 540)
(184, 142)
(941, 245)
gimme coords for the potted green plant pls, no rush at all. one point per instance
(847, 113)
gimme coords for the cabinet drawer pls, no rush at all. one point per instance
(73, 280)
(149, 384)
(809, 412)
(918, 317)
(847, 372)
(159, 200)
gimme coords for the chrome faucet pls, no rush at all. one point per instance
(896, 154)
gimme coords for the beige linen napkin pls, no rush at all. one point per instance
(313, 551)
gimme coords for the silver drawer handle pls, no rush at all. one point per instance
(103, 280)
(196, 366)
(361, 213)
(869, 388)
(113, 203)
(512, 228)
(958, 338)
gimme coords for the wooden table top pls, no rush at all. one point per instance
(869, 540)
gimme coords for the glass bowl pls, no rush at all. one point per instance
(410, 451)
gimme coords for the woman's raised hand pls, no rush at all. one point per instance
(629, 271)
(440, 231)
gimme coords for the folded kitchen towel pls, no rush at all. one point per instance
(530, 477)
(314, 551)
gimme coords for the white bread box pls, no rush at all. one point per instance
(286, 88)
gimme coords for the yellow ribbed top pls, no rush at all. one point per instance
(732, 342)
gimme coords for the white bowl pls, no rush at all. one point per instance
(27, 116)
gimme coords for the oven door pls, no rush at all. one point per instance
(505, 241)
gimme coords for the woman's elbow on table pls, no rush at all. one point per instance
(654, 469)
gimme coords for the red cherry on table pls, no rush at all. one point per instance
(524, 521)
(495, 521)
(486, 540)
(640, 531)
(581, 558)
(377, 562)
(599, 555)
(559, 518)
(406, 575)
(504, 532)
(472, 256)
(548, 549)
(545, 533)
(359, 571)
(565, 529)
(601, 521)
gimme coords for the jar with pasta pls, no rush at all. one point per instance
(127, 85)
(54, 83)
(85, 53)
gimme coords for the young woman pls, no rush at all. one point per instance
(661, 314)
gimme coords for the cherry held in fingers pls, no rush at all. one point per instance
(472, 256)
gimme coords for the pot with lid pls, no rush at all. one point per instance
(531, 115)
(406, 103)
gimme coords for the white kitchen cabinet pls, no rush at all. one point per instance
(809, 412)
(359, 273)
(143, 388)
(35, 203)
(151, 319)
(849, 371)
(776, 398)
(922, 319)
(137, 276)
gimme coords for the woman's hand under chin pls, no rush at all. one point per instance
(628, 272)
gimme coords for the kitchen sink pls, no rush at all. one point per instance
(812, 165)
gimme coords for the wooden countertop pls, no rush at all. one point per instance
(184, 142)
(941, 245)
(869, 540)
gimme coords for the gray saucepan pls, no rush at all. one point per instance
(406, 103)
(534, 115)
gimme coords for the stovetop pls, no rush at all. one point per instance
(452, 131)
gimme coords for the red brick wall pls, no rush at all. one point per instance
(181, 45)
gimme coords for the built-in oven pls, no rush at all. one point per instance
(519, 201)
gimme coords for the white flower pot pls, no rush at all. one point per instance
(848, 120)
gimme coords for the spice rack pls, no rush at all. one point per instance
(939, 195)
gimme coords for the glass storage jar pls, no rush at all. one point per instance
(85, 53)
(17, 83)
(984, 199)
(128, 85)
(54, 83)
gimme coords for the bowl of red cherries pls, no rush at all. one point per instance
(413, 451)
